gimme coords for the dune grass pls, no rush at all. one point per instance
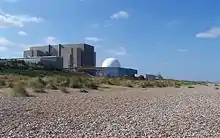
(39, 84)
(19, 90)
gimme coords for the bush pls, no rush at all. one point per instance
(76, 83)
(216, 88)
(9, 84)
(91, 85)
(63, 89)
(191, 87)
(51, 86)
(128, 84)
(147, 84)
(2, 83)
(39, 90)
(177, 86)
(216, 85)
(19, 91)
(37, 83)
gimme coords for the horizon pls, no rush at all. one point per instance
(168, 37)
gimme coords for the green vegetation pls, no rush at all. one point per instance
(18, 75)
(191, 87)
(19, 91)
(63, 89)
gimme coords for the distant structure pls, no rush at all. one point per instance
(150, 77)
(111, 63)
(73, 55)
(112, 67)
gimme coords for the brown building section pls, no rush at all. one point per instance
(73, 55)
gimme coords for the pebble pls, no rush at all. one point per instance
(123, 115)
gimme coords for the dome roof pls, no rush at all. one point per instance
(111, 62)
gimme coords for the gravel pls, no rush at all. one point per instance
(165, 112)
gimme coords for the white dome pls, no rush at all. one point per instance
(111, 62)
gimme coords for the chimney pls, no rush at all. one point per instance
(59, 50)
(49, 50)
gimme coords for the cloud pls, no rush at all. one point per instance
(120, 15)
(92, 39)
(5, 43)
(11, 48)
(8, 20)
(22, 33)
(182, 50)
(212, 33)
(51, 40)
(121, 51)
(103, 24)
(48, 40)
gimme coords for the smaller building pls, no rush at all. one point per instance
(112, 67)
(50, 61)
(150, 77)
(119, 72)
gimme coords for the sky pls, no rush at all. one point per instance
(179, 39)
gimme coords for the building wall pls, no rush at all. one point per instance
(65, 53)
(38, 53)
(94, 62)
(117, 72)
(73, 54)
(44, 50)
(28, 53)
(150, 77)
(55, 62)
(88, 56)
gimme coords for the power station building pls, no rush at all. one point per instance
(73, 55)
(81, 57)
(112, 67)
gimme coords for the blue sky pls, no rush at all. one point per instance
(179, 39)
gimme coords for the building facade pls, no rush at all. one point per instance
(73, 55)
(119, 72)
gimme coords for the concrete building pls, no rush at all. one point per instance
(73, 55)
(50, 61)
(112, 67)
(150, 77)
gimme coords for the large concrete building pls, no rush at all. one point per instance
(73, 55)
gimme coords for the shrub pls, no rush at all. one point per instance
(128, 84)
(63, 89)
(83, 91)
(216, 85)
(216, 88)
(191, 87)
(177, 86)
(37, 83)
(76, 83)
(91, 85)
(51, 86)
(9, 84)
(147, 84)
(111, 81)
(2, 83)
(39, 90)
(19, 91)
